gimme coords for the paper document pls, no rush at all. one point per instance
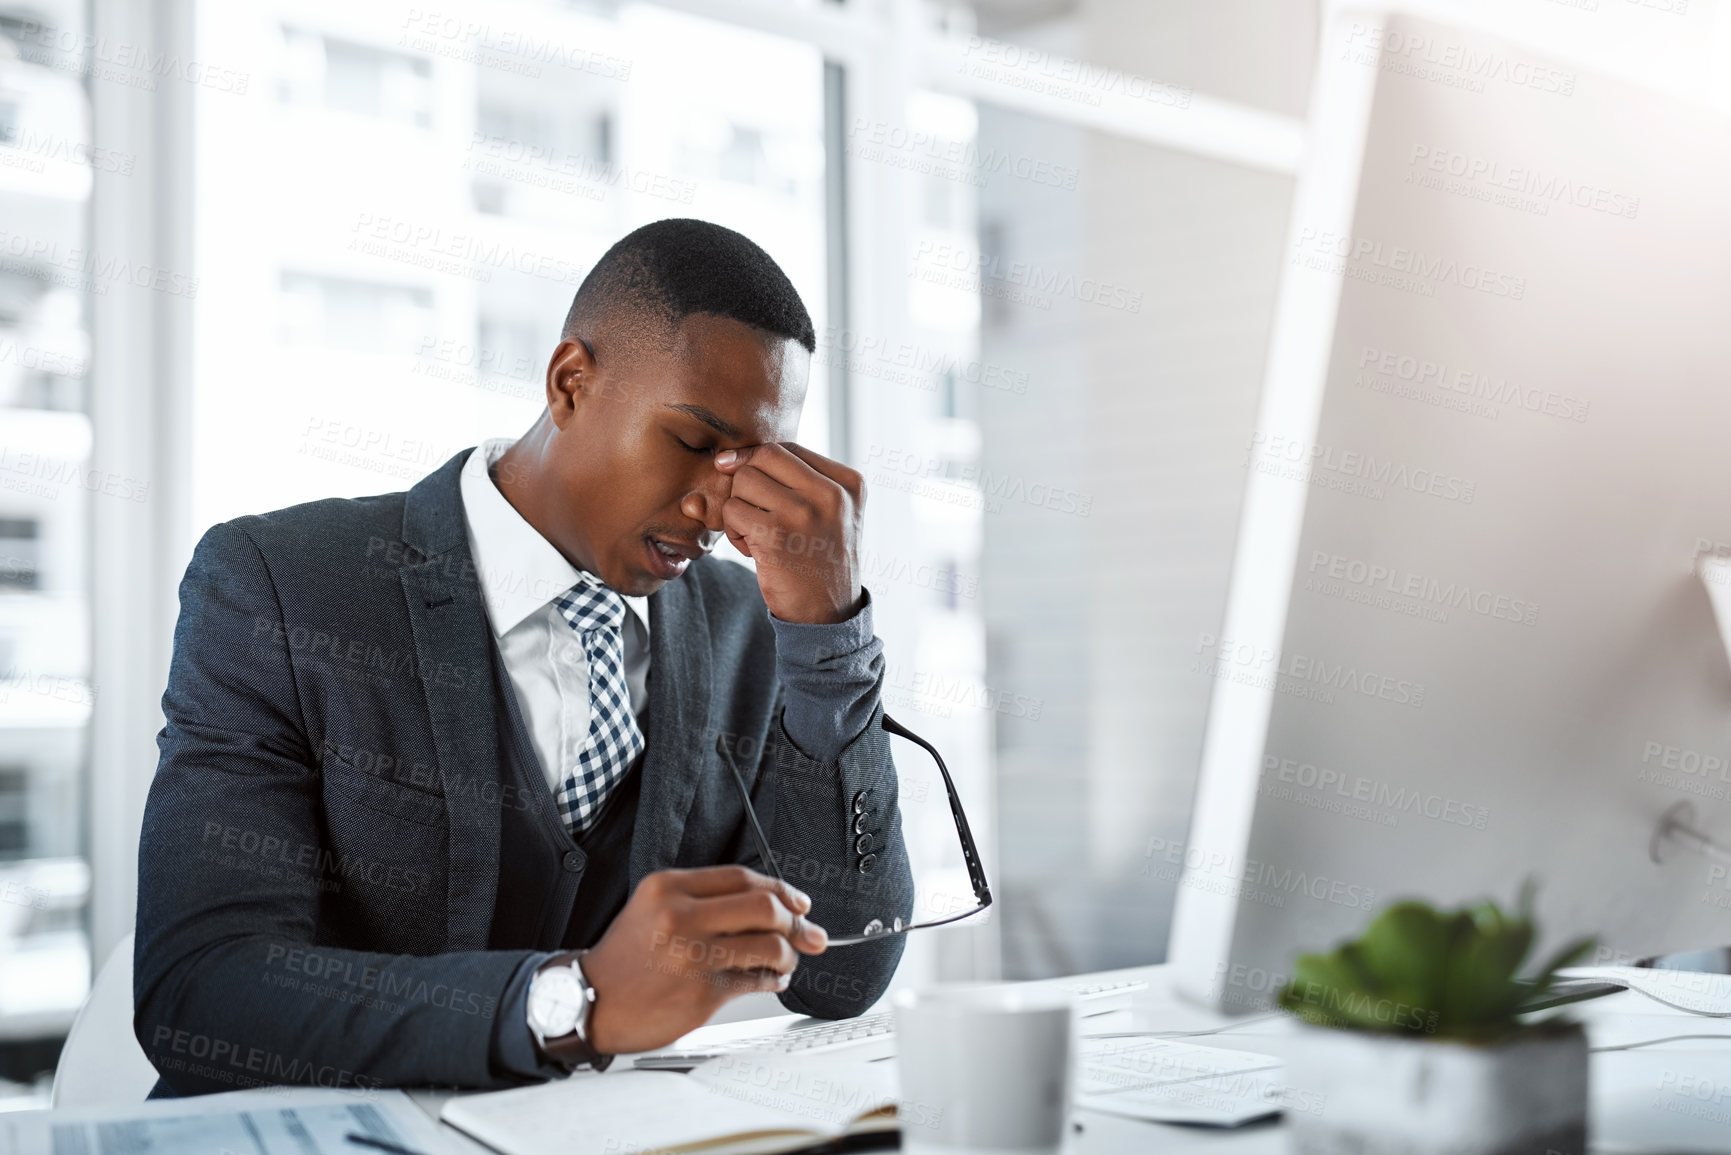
(284, 1123)
(1170, 1082)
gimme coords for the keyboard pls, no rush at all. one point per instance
(875, 1031)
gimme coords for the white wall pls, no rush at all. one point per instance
(1146, 411)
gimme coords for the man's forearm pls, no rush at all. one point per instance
(830, 773)
(258, 1010)
(831, 675)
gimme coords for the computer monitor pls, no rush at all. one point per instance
(1468, 641)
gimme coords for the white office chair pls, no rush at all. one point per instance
(102, 1062)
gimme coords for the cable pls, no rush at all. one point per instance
(1653, 1042)
(1190, 1034)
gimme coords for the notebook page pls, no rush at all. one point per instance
(831, 1092)
(633, 1111)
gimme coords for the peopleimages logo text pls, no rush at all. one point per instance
(1425, 57)
(1704, 774)
(1349, 254)
(1247, 877)
(961, 259)
(1543, 186)
(1250, 664)
(1351, 470)
(1472, 383)
(1357, 787)
(1374, 577)
(891, 465)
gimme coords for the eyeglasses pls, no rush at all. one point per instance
(876, 929)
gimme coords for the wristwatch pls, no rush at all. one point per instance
(559, 1002)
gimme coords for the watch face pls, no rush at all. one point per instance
(555, 998)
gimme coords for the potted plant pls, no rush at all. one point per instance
(1415, 1042)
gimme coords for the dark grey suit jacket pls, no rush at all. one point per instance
(319, 861)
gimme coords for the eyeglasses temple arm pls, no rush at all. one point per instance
(970, 855)
(750, 811)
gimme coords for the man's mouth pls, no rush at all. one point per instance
(668, 557)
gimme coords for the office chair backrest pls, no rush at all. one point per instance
(102, 1063)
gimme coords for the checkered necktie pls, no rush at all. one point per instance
(597, 613)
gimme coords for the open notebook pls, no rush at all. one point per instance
(743, 1104)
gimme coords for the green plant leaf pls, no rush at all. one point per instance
(1419, 970)
(1329, 990)
(1487, 951)
(1405, 949)
(1568, 955)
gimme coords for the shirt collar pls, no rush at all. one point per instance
(520, 571)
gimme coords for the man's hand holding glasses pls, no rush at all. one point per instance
(877, 928)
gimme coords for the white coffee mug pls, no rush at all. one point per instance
(985, 1070)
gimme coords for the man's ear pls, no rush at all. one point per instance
(570, 373)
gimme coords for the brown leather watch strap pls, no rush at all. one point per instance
(572, 1051)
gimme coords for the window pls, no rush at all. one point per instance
(47, 490)
(333, 313)
(414, 284)
(20, 558)
(357, 78)
(516, 347)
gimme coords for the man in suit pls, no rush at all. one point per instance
(439, 801)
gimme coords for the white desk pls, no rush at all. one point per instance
(1670, 1098)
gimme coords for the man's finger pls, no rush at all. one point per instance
(746, 982)
(743, 520)
(845, 476)
(758, 488)
(710, 881)
(808, 937)
(775, 459)
(740, 544)
(751, 952)
(749, 912)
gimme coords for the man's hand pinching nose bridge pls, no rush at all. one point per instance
(797, 513)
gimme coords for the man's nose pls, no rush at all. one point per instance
(705, 500)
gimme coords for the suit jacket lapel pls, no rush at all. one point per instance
(454, 656)
(677, 744)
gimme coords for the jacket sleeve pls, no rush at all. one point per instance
(836, 782)
(230, 988)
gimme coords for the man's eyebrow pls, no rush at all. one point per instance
(709, 418)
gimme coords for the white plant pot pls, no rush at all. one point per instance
(1355, 1093)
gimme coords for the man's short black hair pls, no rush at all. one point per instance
(654, 278)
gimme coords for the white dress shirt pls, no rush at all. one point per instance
(521, 574)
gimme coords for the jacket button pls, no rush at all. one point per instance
(862, 844)
(859, 823)
(866, 863)
(574, 861)
(859, 801)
